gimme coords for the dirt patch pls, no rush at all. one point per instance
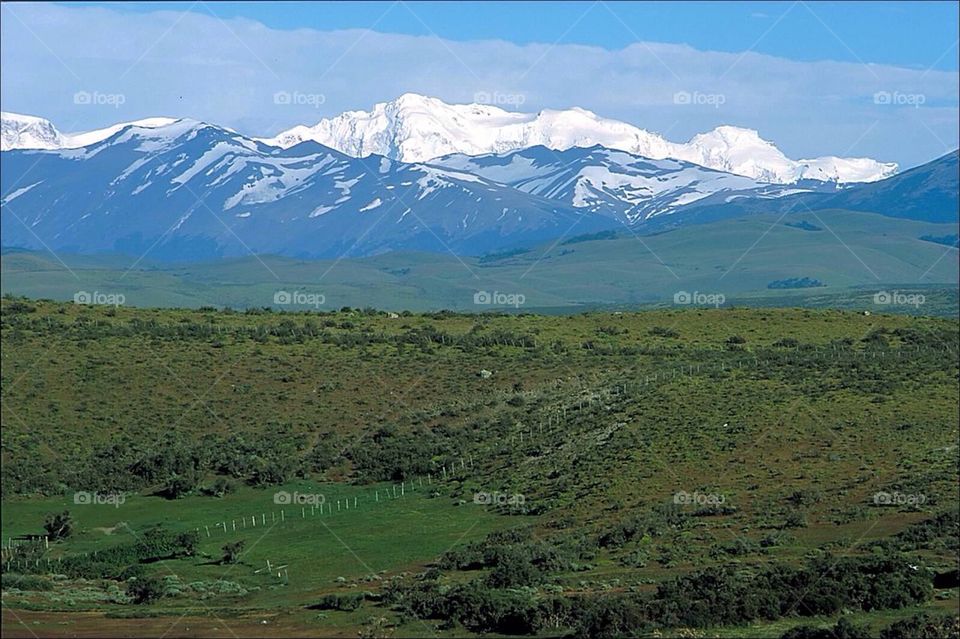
(109, 530)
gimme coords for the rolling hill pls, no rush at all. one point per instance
(852, 254)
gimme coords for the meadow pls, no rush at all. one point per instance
(514, 474)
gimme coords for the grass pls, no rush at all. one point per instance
(346, 550)
(592, 418)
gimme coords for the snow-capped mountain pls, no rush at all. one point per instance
(415, 128)
(616, 183)
(744, 152)
(191, 190)
(27, 132)
(30, 132)
(184, 189)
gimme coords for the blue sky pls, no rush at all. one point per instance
(905, 34)
(806, 75)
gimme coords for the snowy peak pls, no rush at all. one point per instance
(726, 141)
(744, 152)
(416, 128)
(27, 132)
(834, 169)
(740, 151)
(30, 132)
(412, 128)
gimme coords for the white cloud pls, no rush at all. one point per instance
(168, 63)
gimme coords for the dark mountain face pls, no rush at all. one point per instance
(927, 193)
(617, 184)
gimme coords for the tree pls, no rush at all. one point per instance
(59, 525)
(232, 551)
(513, 570)
(180, 485)
(145, 589)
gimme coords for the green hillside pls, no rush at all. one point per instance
(852, 255)
(510, 474)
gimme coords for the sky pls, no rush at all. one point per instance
(851, 79)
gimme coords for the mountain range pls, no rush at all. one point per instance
(188, 190)
(415, 128)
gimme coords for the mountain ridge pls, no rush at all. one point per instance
(416, 128)
(596, 179)
(196, 190)
(419, 128)
(190, 190)
(31, 132)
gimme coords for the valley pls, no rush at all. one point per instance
(468, 320)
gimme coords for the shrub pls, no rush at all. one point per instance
(58, 525)
(145, 590)
(923, 626)
(339, 602)
(232, 551)
(611, 618)
(660, 331)
(25, 582)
